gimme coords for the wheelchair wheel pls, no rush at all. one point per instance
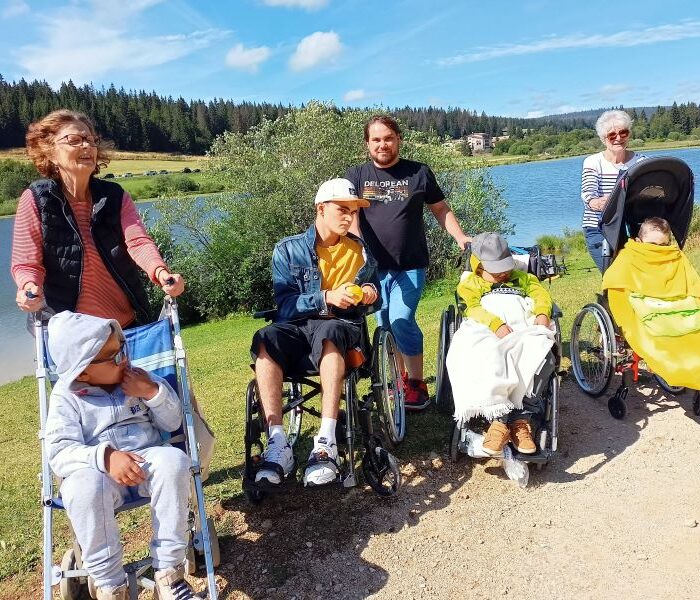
(71, 588)
(617, 407)
(455, 438)
(292, 418)
(592, 349)
(253, 441)
(381, 472)
(669, 389)
(388, 386)
(443, 388)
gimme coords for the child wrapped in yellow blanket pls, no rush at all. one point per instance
(654, 296)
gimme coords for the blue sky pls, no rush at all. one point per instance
(519, 58)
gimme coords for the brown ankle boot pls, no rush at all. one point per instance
(496, 438)
(521, 437)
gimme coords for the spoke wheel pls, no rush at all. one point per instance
(592, 349)
(455, 438)
(292, 419)
(443, 388)
(388, 386)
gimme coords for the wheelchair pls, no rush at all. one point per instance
(661, 187)
(368, 426)
(157, 348)
(546, 384)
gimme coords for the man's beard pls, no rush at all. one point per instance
(385, 159)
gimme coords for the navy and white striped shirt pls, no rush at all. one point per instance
(598, 179)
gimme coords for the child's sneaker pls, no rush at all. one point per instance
(521, 437)
(416, 394)
(171, 585)
(278, 452)
(496, 438)
(323, 463)
(112, 593)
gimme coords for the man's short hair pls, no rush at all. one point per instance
(385, 120)
(654, 224)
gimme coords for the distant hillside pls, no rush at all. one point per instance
(589, 116)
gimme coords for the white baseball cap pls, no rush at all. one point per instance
(339, 190)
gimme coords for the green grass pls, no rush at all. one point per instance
(219, 365)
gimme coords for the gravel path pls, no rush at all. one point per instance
(614, 515)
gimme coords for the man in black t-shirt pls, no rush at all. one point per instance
(393, 229)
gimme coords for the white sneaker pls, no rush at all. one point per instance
(323, 463)
(279, 452)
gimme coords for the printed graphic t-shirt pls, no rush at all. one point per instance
(340, 263)
(392, 226)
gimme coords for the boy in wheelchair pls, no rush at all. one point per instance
(103, 438)
(324, 283)
(500, 347)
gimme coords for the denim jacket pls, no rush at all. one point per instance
(296, 280)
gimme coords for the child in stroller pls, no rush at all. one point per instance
(103, 438)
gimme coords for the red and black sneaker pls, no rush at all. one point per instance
(415, 394)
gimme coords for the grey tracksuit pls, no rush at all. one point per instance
(83, 421)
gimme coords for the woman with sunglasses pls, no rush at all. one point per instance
(600, 173)
(78, 240)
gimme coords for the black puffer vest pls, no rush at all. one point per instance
(63, 248)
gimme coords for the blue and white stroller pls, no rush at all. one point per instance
(157, 348)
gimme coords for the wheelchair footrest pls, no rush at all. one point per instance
(540, 458)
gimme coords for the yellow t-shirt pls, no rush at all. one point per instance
(340, 263)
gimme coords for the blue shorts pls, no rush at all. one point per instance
(401, 291)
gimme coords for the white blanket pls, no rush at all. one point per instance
(491, 375)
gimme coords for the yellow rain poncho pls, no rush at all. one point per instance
(654, 296)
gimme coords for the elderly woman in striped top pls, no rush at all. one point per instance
(600, 173)
(78, 240)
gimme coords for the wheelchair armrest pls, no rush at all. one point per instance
(268, 315)
(556, 312)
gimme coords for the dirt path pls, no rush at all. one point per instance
(611, 517)
(614, 515)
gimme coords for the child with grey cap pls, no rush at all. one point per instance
(491, 285)
(103, 437)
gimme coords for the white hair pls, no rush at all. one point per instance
(607, 121)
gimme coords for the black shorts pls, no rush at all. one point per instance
(297, 347)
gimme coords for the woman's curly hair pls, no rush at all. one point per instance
(40, 140)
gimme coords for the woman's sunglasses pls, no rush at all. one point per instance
(623, 133)
(117, 358)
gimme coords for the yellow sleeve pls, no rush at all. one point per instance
(471, 289)
(535, 290)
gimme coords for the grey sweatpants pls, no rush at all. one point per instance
(90, 498)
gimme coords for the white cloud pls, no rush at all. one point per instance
(14, 8)
(354, 96)
(307, 4)
(247, 59)
(316, 49)
(535, 114)
(624, 39)
(108, 43)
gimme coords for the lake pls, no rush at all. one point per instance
(543, 198)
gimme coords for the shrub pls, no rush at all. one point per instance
(15, 176)
(224, 242)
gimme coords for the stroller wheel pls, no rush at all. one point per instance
(617, 407)
(71, 588)
(696, 403)
(381, 472)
